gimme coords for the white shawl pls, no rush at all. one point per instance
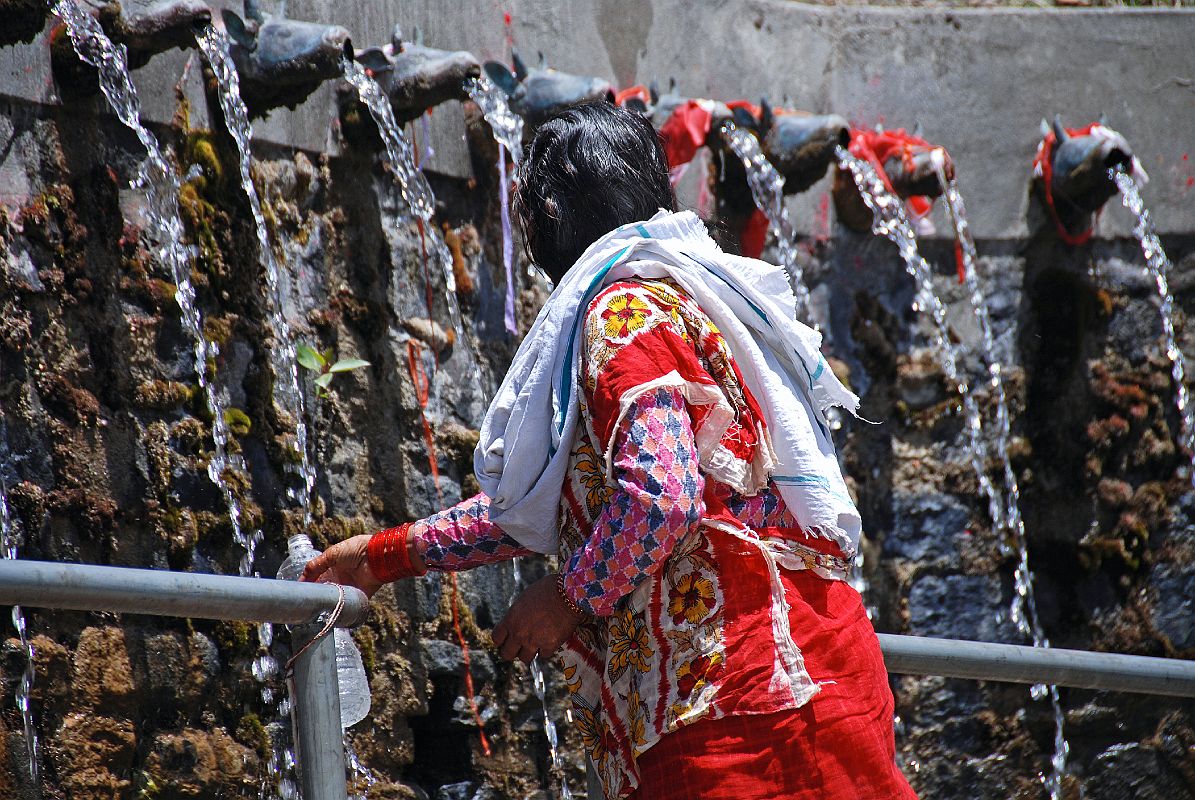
(530, 426)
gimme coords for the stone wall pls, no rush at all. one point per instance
(106, 442)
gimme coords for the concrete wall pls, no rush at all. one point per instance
(977, 81)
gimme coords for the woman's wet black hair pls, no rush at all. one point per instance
(589, 169)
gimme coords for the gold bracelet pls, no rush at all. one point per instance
(568, 601)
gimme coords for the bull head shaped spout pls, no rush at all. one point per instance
(798, 144)
(144, 28)
(414, 77)
(911, 167)
(282, 61)
(1072, 174)
(539, 92)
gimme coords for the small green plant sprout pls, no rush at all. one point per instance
(327, 365)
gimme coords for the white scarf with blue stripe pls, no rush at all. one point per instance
(528, 432)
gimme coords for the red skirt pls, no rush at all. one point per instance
(838, 746)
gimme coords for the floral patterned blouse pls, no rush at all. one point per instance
(667, 538)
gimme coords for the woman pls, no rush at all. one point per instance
(662, 430)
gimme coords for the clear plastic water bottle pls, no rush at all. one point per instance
(350, 672)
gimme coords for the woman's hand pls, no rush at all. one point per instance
(346, 563)
(538, 623)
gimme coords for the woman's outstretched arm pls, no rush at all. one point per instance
(455, 539)
(462, 537)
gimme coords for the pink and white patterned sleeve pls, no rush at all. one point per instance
(657, 502)
(462, 537)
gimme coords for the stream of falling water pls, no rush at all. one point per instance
(164, 226)
(1012, 522)
(8, 549)
(891, 222)
(767, 189)
(215, 46)
(412, 183)
(508, 132)
(1157, 267)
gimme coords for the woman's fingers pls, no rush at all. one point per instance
(538, 623)
(524, 647)
(527, 652)
(510, 648)
(500, 635)
(317, 566)
(513, 643)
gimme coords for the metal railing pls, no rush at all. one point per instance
(316, 699)
(1014, 663)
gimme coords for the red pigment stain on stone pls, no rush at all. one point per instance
(823, 216)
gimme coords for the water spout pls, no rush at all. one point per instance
(142, 30)
(536, 93)
(147, 30)
(1073, 169)
(282, 61)
(416, 78)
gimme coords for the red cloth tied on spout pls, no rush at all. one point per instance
(685, 131)
(1043, 164)
(754, 234)
(753, 109)
(636, 92)
(877, 147)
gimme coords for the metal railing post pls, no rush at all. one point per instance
(315, 710)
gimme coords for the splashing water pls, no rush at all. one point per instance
(164, 226)
(8, 549)
(538, 686)
(412, 183)
(215, 46)
(1157, 267)
(891, 222)
(357, 770)
(508, 132)
(767, 189)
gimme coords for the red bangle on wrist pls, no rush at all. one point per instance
(568, 601)
(389, 554)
